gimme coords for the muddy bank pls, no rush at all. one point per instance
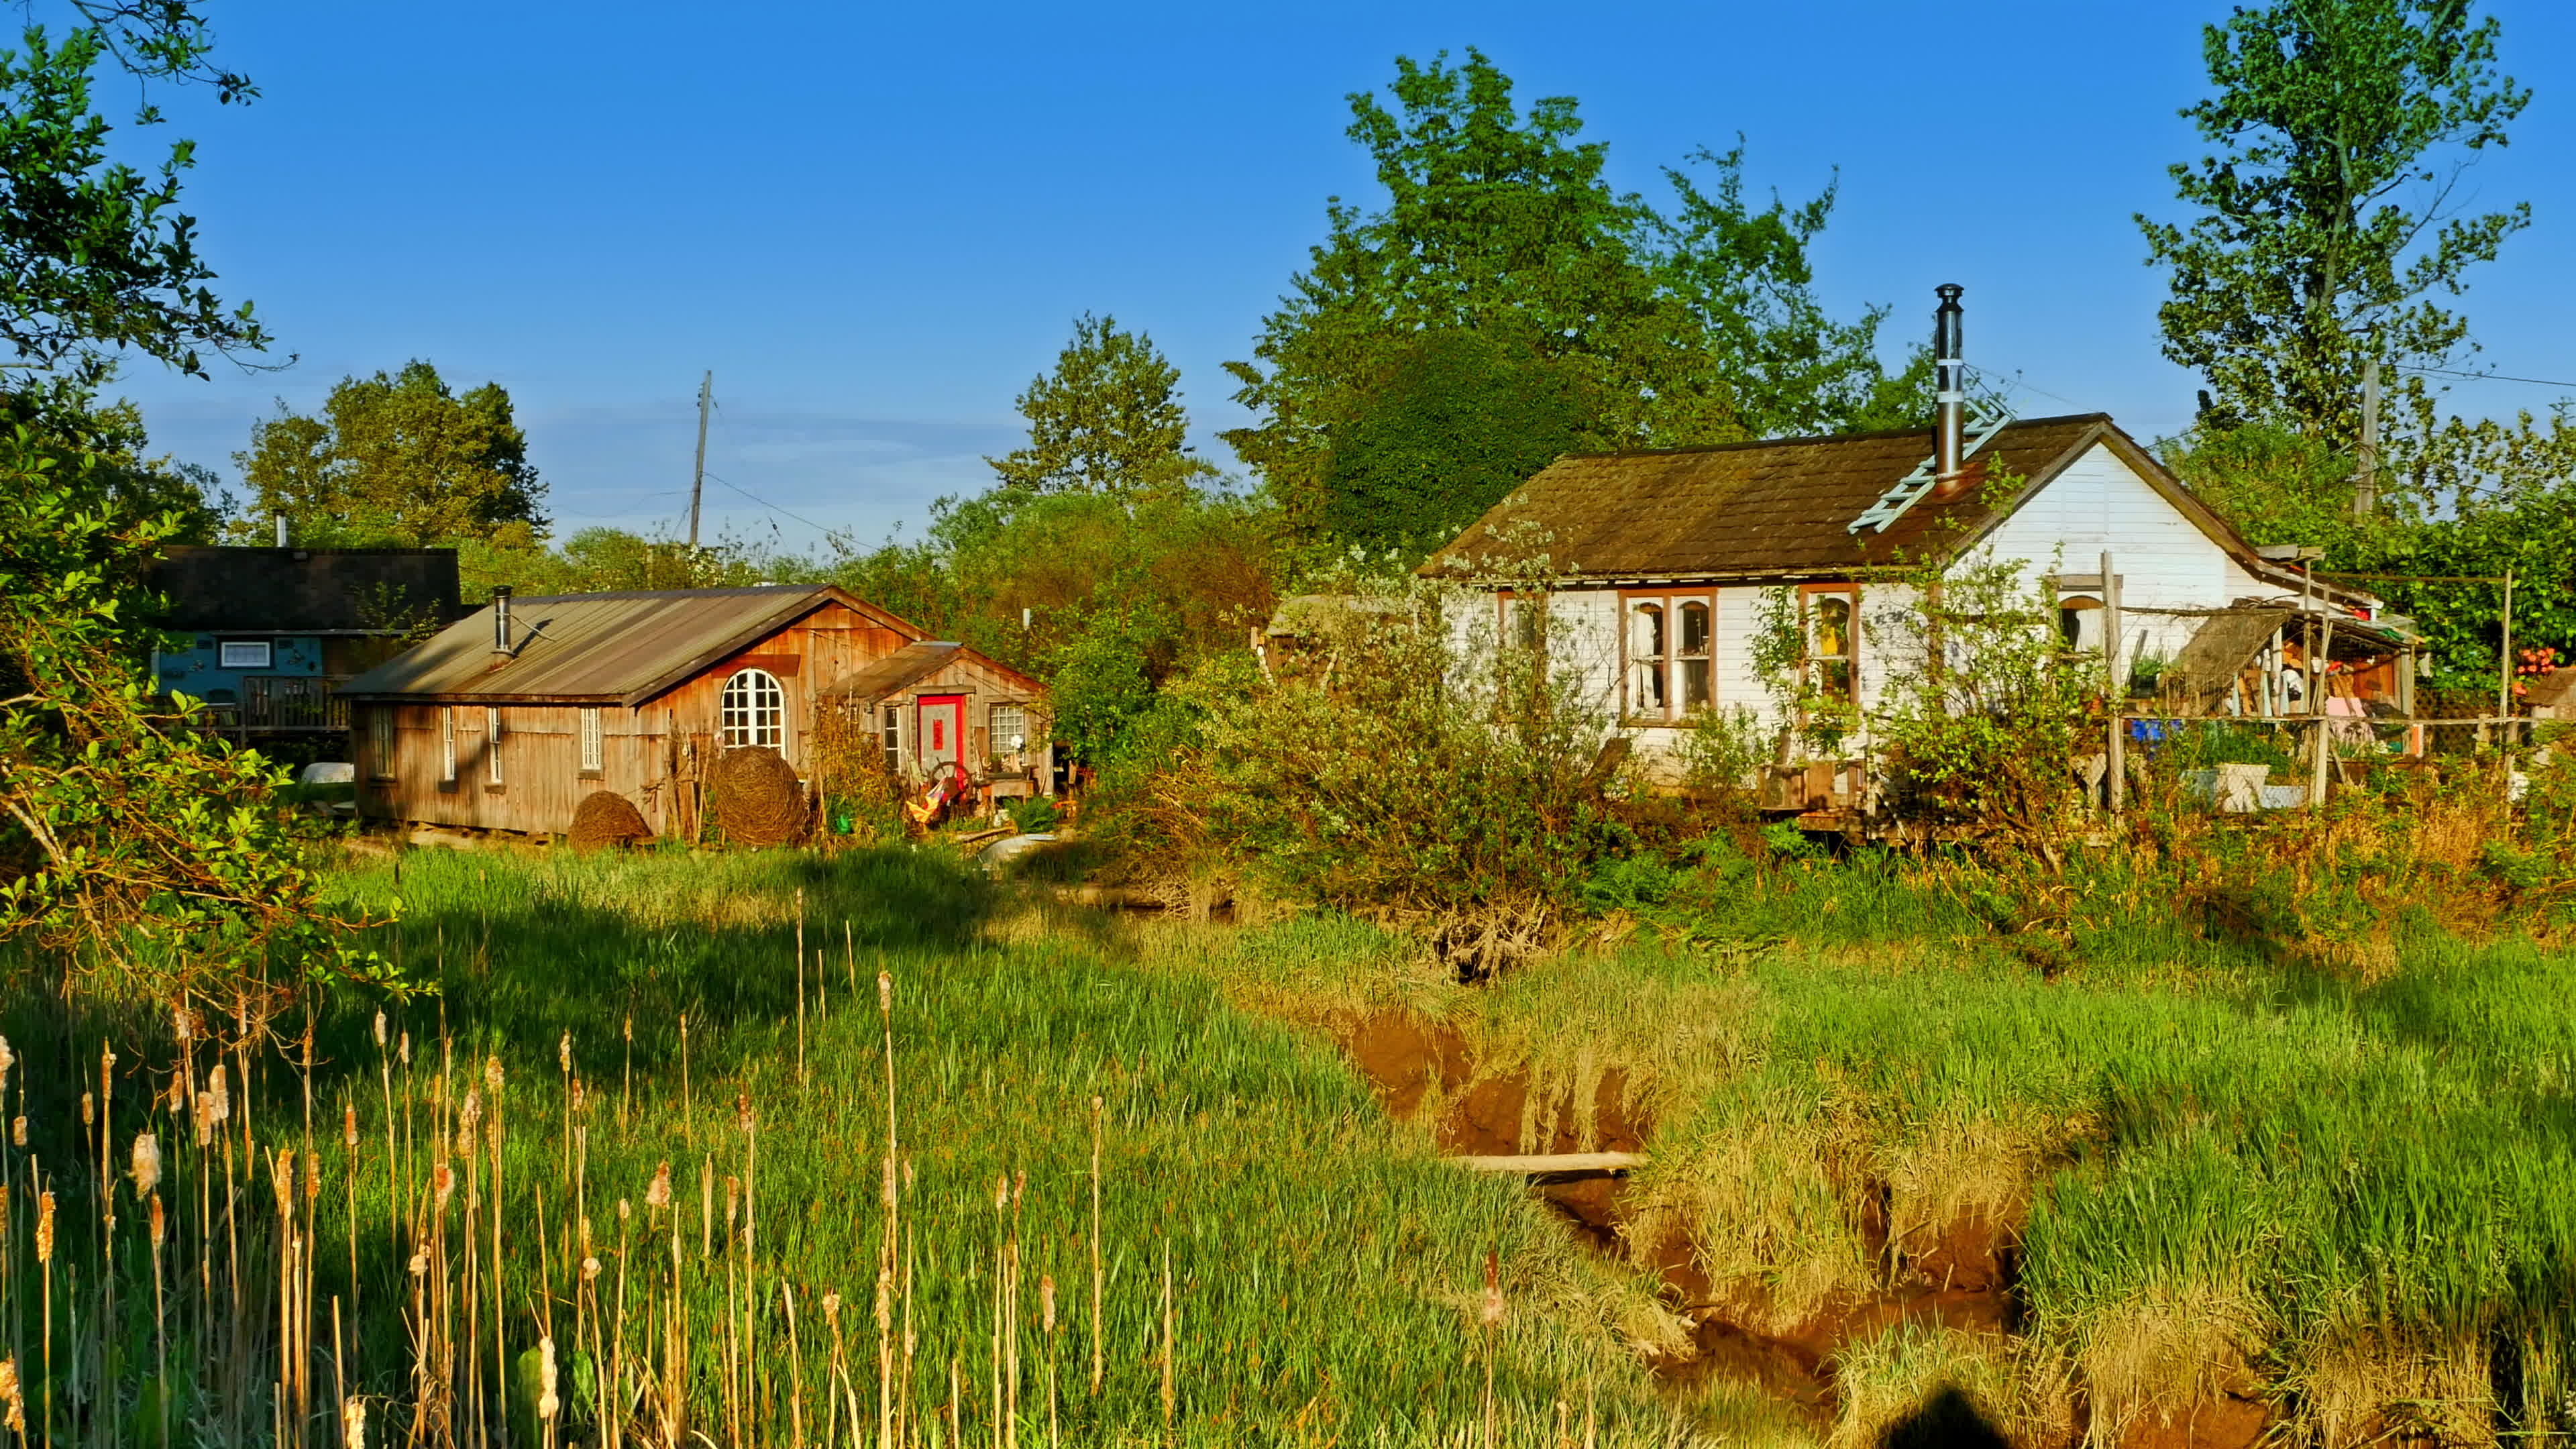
(1964, 1276)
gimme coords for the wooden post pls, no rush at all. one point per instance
(2324, 729)
(2116, 690)
(2504, 669)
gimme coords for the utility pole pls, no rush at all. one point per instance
(2365, 488)
(698, 483)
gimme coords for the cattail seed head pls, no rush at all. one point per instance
(625, 1210)
(443, 1183)
(1019, 1185)
(1001, 1191)
(832, 1307)
(179, 1096)
(312, 1176)
(281, 1177)
(885, 992)
(44, 1227)
(733, 1199)
(183, 1023)
(349, 1126)
(1046, 1302)
(106, 1057)
(89, 1109)
(1492, 1312)
(492, 1075)
(659, 1194)
(218, 1099)
(353, 1424)
(13, 1397)
(630, 1028)
(18, 1131)
(589, 1269)
(159, 1227)
(580, 1095)
(380, 1031)
(563, 1053)
(205, 1118)
(406, 1049)
(547, 1403)
(144, 1163)
(471, 1111)
(420, 1262)
(742, 1110)
(8, 1059)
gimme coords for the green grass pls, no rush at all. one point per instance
(1326, 1274)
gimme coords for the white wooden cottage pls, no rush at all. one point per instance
(1662, 561)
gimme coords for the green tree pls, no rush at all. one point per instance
(96, 259)
(1453, 423)
(1108, 419)
(398, 460)
(2326, 211)
(1500, 222)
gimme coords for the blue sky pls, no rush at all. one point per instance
(876, 223)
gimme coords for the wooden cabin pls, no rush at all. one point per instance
(937, 704)
(510, 717)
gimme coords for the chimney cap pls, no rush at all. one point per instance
(1949, 291)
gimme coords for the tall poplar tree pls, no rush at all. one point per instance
(1108, 419)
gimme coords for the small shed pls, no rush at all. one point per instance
(512, 717)
(935, 702)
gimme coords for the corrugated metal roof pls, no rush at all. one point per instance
(1770, 509)
(875, 681)
(619, 648)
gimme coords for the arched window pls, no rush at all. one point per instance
(754, 711)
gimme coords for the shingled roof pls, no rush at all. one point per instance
(620, 648)
(341, 591)
(1782, 508)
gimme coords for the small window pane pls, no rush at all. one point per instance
(1010, 726)
(1833, 627)
(492, 746)
(447, 745)
(590, 742)
(245, 654)
(380, 740)
(1695, 684)
(1694, 630)
(1646, 632)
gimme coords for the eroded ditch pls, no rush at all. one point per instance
(1964, 1277)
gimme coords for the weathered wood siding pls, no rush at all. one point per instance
(644, 751)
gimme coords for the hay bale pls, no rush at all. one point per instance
(757, 798)
(606, 819)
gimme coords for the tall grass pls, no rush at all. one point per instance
(1018, 1194)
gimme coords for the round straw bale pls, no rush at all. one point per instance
(605, 818)
(757, 798)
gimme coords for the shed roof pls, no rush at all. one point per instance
(621, 648)
(1784, 508)
(305, 590)
(916, 662)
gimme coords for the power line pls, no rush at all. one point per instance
(2485, 376)
(774, 508)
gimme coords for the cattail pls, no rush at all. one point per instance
(18, 1131)
(625, 1210)
(563, 1053)
(1492, 1313)
(547, 1403)
(13, 1396)
(89, 1109)
(420, 1262)
(158, 1226)
(312, 1177)
(8, 1059)
(44, 1227)
(1046, 1301)
(380, 1031)
(1001, 1192)
(218, 1101)
(281, 1172)
(145, 1164)
(405, 1052)
(589, 1269)
(580, 1095)
(444, 1182)
(832, 1307)
(205, 1118)
(492, 1074)
(742, 1110)
(353, 1418)
(469, 1113)
(659, 1194)
(178, 1096)
(733, 1201)
(885, 992)
(349, 1126)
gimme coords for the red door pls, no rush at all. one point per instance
(943, 720)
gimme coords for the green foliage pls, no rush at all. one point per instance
(1101, 684)
(67, 419)
(1697, 326)
(398, 460)
(96, 258)
(1107, 420)
(1032, 816)
(2339, 129)
(127, 840)
(1451, 425)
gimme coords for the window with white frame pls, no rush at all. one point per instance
(893, 725)
(244, 654)
(591, 749)
(447, 744)
(753, 711)
(1010, 728)
(1669, 645)
(1833, 639)
(491, 746)
(380, 742)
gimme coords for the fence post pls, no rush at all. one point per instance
(2115, 688)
